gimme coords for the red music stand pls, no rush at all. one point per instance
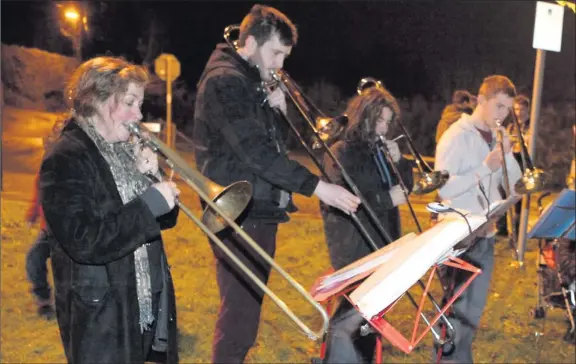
(383, 327)
(325, 290)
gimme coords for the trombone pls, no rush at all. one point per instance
(225, 204)
(533, 179)
(511, 215)
(311, 114)
(429, 180)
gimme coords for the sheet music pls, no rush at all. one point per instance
(347, 274)
(366, 264)
(411, 261)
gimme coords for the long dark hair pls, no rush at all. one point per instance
(364, 110)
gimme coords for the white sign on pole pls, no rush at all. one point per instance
(548, 26)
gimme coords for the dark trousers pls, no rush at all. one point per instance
(344, 343)
(36, 267)
(468, 308)
(240, 299)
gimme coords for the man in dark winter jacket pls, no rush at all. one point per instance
(236, 138)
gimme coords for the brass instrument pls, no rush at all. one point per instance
(328, 128)
(382, 149)
(225, 204)
(314, 117)
(324, 135)
(428, 179)
(533, 179)
(511, 215)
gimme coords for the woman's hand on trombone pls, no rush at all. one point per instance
(337, 196)
(147, 164)
(146, 159)
(394, 150)
(169, 191)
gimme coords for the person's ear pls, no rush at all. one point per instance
(250, 45)
(481, 99)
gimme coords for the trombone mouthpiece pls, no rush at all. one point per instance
(134, 128)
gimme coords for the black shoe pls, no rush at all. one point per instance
(47, 312)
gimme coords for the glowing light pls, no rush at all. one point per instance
(71, 14)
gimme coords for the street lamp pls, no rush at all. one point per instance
(71, 14)
(77, 22)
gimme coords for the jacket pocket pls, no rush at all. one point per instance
(90, 284)
(91, 295)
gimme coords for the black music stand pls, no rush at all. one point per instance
(558, 219)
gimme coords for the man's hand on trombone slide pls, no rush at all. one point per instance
(337, 196)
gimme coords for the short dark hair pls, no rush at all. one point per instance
(264, 21)
(364, 110)
(495, 84)
(522, 100)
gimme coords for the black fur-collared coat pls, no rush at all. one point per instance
(94, 236)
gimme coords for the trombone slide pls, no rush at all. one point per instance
(207, 189)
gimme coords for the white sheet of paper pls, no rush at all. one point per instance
(411, 260)
(367, 263)
(548, 26)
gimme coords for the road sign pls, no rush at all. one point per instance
(167, 67)
(548, 26)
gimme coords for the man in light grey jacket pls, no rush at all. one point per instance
(469, 152)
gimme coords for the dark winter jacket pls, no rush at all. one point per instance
(236, 136)
(345, 243)
(94, 236)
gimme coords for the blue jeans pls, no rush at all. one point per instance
(468, 308)
(36, 268)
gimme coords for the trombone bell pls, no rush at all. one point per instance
(532, 181)
(330, 129)
(430, 181)
(232, 200)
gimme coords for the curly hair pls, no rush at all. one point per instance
(97, 79)
(364, 110)
(264, 21)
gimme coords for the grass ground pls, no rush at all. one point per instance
(507, 333)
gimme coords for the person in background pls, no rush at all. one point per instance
(37, 259)
(462, 102)
(522, 112)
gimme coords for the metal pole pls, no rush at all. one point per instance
(80, 30)
(534, 115)
(168, 104)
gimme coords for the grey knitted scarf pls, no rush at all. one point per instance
(130, 183)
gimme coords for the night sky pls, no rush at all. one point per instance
(413, 46)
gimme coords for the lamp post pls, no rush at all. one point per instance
(75, 23)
